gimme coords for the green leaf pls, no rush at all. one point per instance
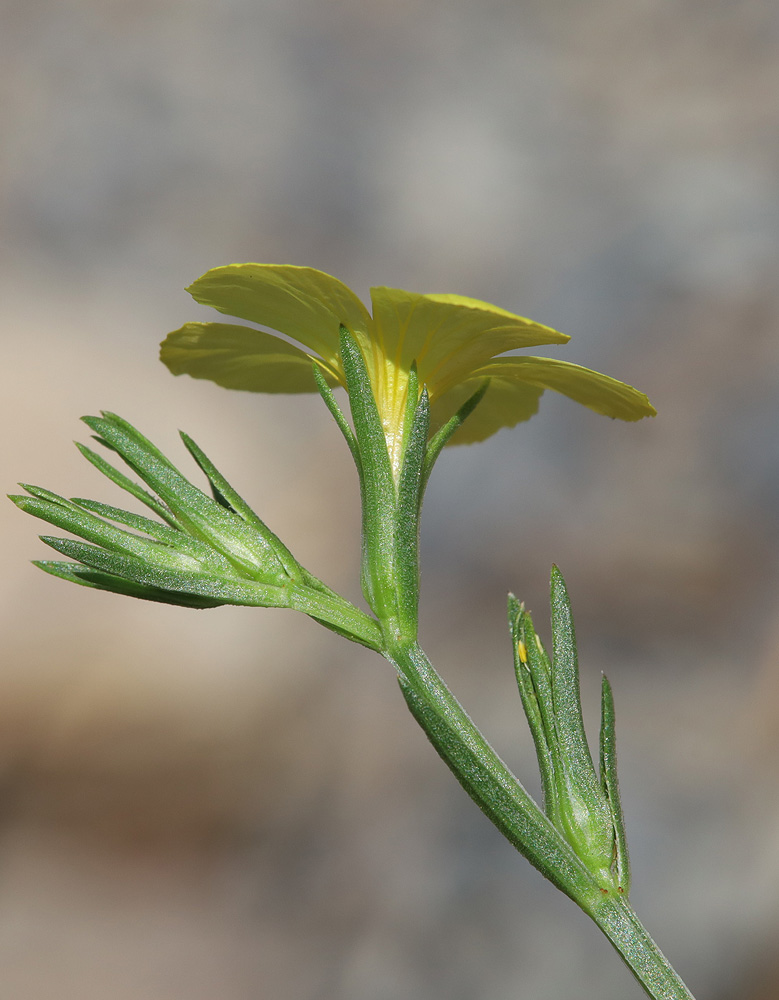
(71, 517)
(161, 509)
(162, 532)
(85, 576)
(534, 680)
(202, 516)
(608, 774)
(135, 569)
(228, 497)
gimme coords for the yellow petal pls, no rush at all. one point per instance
(238, 357)
(448, 335)
(505, 404)
(300, 302)
(592, 389)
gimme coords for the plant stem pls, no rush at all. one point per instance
(500, 795)
(618, 921)
(486, 778)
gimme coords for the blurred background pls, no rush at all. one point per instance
(235, 803)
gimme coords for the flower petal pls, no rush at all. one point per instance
(303, 303)
(517, 384)
(505, 404)
(448, 335)
(238, 357)
(592, 389)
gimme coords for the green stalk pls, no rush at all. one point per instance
(486, 778)
(501, 797)
(580, 845)
(618, 921)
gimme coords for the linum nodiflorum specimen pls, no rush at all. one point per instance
(422, 371)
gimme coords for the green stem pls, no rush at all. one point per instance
(486, 778)
(336, 613)
(499, 794)
(618, 921)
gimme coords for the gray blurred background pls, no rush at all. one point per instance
(235, 804)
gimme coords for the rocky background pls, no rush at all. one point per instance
(234, 804)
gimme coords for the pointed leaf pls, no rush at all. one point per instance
(86, 525)
(131, 568)
(128, 485)
(85, 576)
(533, 673)
(608, 774)
(200, 514)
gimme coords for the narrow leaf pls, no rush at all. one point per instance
(127, 484)
(238, 506)
(202, 516)
(565, 692)
(163, 554)
(533, 672)
(608, 774)
(85, 576)
(136, 570)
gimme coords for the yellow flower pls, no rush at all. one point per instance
(455, 341)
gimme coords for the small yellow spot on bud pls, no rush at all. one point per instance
(522, 651)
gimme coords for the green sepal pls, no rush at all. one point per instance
(331, 403)
(443, 434)
(610, 782)
(409, 503)
(377, 485)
